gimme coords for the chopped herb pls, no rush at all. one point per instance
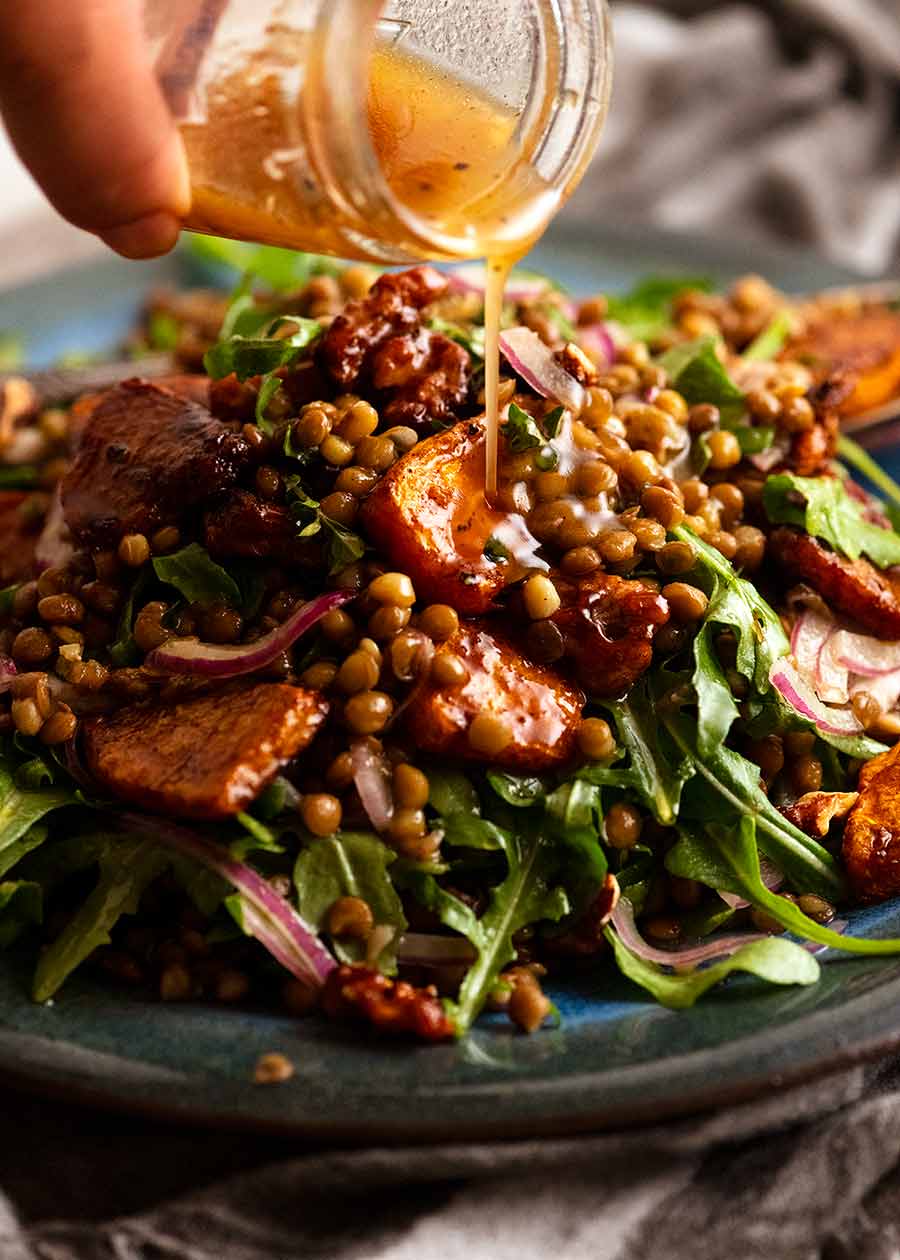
(822, 506)
(197, 577)
(521, 430)
(496, 551)
(698, 375)
(552, 421)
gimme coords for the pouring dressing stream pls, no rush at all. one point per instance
(391, 133)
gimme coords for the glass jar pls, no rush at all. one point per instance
(390, 132)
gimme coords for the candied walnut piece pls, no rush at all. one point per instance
(855, 587)
(863, 347)
(539, 711)
(816, 811)
(244, 527)
(18, 537)
(393, 305)
(391, 1006)
(203, 756)
(147, 458)
(608, 624)
(871, 848)
(423, 376)
(430, 517)
(426, 377)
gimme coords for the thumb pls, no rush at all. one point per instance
(87, 117)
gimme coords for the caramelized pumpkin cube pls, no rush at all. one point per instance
(538, 710)
(207, 756)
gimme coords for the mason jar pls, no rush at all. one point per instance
(389, 132)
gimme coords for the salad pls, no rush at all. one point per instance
(292, 713)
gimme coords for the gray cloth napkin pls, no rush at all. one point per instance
(757, 121)
(755, 1183)
(775, 119)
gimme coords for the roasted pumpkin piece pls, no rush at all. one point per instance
(870, 596)
(205, 756)
(430, 517)
(608, 624)
(871, 848)
(865, 348)
(18, 537)
(147, 457)
(533, 708)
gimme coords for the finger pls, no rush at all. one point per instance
(87, 117)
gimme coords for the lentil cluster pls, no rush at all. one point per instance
(599, 497)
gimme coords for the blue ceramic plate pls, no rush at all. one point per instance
(617, 1058)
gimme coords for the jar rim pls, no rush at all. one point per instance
(572, 108)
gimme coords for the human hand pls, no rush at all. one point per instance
(86, 115)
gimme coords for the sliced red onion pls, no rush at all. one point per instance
(884, 689)
(521, 286)
(771, 877)
(862, 654)
(597, 342)
(8, 673)
(214, 660)
(427, 950)
(373, 783)
(786, 679)
(832, 678)
(54, 547)
(808, 637)
(531, 359)
(688, 955)
(267, 915)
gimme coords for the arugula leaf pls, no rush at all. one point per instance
(725, 787)
(197, 577)
(12, 854)
(735, 604)
(574, 820)
(854, 455)
(520, 791)
(728, 858)
(19, 477)
(698, 375)
(451, 792)
(260, 356)
(279, 269)
(647, 310)
(20, 809)
(163, 331)
(21, 905)
(471, 337)
(771, 341)
(124, 651)
(12, 351)
(528, 895)
(822, 507)
(656, 771)
(258, 838)
(454, 799)
(776, 960)
(521, 430)
(350, 864)
(127, 867)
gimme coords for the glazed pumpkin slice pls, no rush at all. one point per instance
(205, 757)
(430, 517)
(527, 714)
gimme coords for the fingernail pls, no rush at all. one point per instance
(148, 237)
